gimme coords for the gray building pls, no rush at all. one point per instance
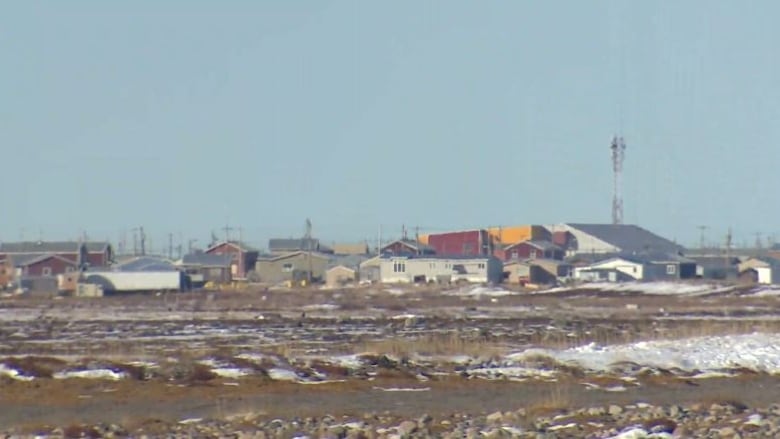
(294, 266)
(614, 239)
(203, 268)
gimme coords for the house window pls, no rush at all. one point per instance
(46, 271)
(287, 268)
(533, 254)
(671, 269)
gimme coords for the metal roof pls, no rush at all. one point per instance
(242, 245)
(541, 245)
(51, 247)
(629, 238)
(26, 259)
(207, 260)
(146, 263)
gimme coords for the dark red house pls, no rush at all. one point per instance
(44, 265)
(533, 250)
(84, 254)
(244, 256)
(462, 243)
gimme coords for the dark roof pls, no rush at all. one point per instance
(146, 263)
(242, 245)
(541, 245)
(349, 261)
(51, 247)
(629, 238)
(207, 260)
(278, 257)
(441, 257)
(26, 259)
(419, 246)
(290, 245)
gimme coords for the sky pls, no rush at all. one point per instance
(187, 116)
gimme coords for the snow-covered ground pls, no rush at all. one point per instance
(757, 351)
(479, 291)
(652, 288)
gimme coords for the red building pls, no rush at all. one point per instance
(244, 257)
(463, 243)
(44, 265)
(533, 250)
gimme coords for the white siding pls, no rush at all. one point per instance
(632, 269)
(405, 270)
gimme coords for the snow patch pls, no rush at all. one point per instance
(402, 389)
(93, 374)
(282, 374)
(480, 292)
(651, 288)
(759, 352)
(13, 373)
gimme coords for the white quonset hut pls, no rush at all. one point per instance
(441, 269)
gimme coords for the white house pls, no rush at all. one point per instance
(432, 268)
(612, 269)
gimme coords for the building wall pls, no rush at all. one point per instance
(294, 267)
(477, 270)
(514, 234)
(239, 268)
(49, 267)
(465, 243)
(670, 271)
(632, 269)
(525, 250)
(337, 276)
(7, 272)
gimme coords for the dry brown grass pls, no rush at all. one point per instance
(556, 398)
(432, 345)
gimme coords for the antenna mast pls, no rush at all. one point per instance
(618, 148)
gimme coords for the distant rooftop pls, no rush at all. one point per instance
(629, 238)
(52, 247)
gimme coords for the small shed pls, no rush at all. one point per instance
(339, 276)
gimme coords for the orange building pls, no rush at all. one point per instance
(513, 234)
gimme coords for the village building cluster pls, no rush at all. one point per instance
(527, 255)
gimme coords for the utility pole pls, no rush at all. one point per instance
(170, 245)
(379, 241)
(702, 230)
(729, 238)
(308, 239)
(241, 271)
(190, 242)
(759, 243)
(618, 148)
(227, 229)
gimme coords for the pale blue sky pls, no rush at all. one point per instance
(182, 115)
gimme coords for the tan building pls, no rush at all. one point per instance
(339, 276)
(293, 266)
(350, 249)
